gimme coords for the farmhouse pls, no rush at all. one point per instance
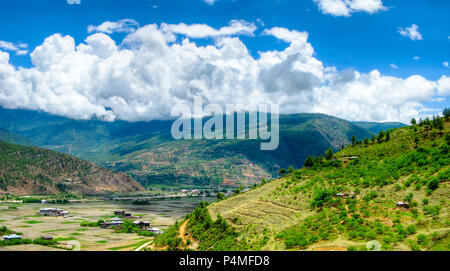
(142, 224)
(12, 237)
(402, 204)
(47, 237)
(195, 192)
(155, 230)
(346, 195)
(52, 212)
(113, 222)
(64, 213)
(122, 213)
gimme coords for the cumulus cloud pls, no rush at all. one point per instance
(444, 86)
(347, 7)
(152, 70)
(121, 26)
(411, 32)
(72, 2)
(19, 48)
(210, 2)
(445, 63)
(4, 57)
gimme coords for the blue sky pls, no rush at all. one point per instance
(362, 41)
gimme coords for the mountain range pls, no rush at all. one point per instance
(147, 151)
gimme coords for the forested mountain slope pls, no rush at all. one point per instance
(33, 170)
(348, 202)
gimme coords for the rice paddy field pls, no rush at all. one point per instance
(24, 218)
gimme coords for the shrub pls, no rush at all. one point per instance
(433, 184)
(432, 210)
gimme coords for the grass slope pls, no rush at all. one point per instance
(302, 212)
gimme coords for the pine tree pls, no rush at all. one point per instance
(309, 162)
(380, 136)
(446, 113)
(329, 154)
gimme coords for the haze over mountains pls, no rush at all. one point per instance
(147, 151)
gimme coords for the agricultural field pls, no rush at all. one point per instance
(68, 231)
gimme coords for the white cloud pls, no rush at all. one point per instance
(393, 66)
(152, 71)
(416, 58)
(210, 2)
(19, 48)
(411, 32)
(76, 2)
(236, 27)
(5, 45)
(124, 26)
(347, 7)
(4, 57)
(444, 86)
(22, 52)
(445, 63)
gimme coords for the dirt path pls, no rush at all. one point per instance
(182, 231)
(143, 246)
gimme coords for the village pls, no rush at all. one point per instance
(89, 224)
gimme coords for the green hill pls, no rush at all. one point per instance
(13, 138)
(345, 203)
(32, 170)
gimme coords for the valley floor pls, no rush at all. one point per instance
(69, 233)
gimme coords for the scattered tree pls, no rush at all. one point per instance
(446, 113)
(220, 196)
(290, 169)
(380, 136)
(329, 154)
(309, 162)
